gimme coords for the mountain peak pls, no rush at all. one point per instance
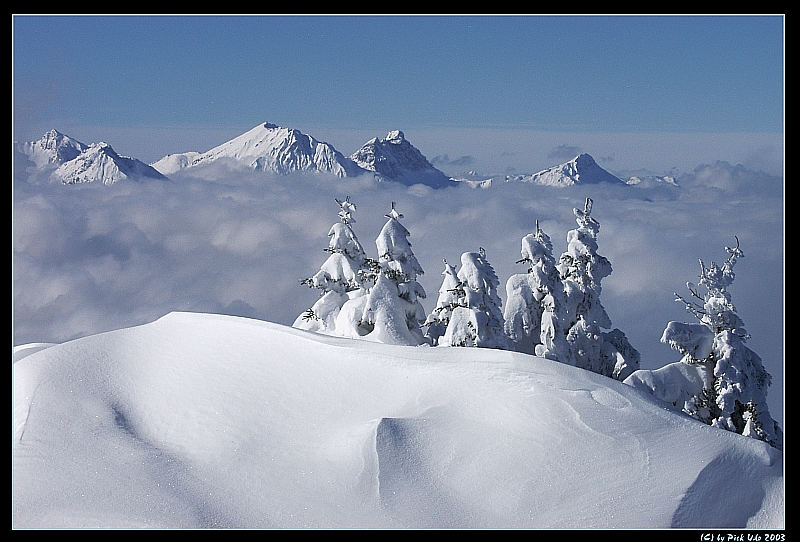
(396, 159)
(100, 163)
(269, 148)
(395, 136)
(583, 169)
(52, 149)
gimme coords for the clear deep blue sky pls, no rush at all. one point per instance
(576, 73)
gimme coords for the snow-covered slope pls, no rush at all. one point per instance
(580, 170)
(99, 163)
(172, 163)
(394, 158)
(200, 420)
(52, 149)
(269, 148)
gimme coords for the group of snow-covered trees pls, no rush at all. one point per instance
(553, 310)
(362, 297)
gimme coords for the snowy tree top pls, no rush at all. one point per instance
(346, 210)
(477, 273)
(393, 214)
(448, 268)
(584, 218)
(536, 247)
(394, 249)
(714, 308)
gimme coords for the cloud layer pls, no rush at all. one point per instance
(88, 259)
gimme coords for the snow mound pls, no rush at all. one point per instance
(200, 420)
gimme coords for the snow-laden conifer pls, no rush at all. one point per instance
(535, 301)
(478, 318)
(340, 275)
(728, 384)
(439, 317)
(582, 269)
(391, 311)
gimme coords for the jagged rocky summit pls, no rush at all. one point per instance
(393, 157)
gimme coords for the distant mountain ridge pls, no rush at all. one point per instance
(279, 150)
(70, 161)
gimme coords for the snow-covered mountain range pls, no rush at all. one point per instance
(68, 161)
(278, 150)
(209, 421)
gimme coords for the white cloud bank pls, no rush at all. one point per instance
(88, 259)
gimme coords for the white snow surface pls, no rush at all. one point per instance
(208, 421)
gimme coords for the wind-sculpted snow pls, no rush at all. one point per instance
(201, 420)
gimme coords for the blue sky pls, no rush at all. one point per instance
(188, 83)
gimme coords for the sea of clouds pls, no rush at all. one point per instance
(92, 258)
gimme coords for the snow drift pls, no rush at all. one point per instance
(201, 420)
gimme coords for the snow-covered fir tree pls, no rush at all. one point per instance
(535, 302)
(478, 318)
(719, 380)
(342, 273)
(439, 317)
(391, 311)
(582, 269)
